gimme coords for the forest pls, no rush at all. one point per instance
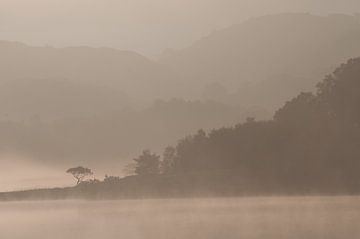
(311, 146)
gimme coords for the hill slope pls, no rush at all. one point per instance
(310, 147)
(270, 58)
(127, 72)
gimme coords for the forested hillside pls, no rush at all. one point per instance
(311, 146)
(312, 143)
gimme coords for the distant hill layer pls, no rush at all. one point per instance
(125, 71)
(270, 58)
(77, 104)
(112, 137)
(260, 63)
(311, 147)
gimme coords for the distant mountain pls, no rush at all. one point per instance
(269, 59)
(244, 71)
(261, 62)
(31, 99)
(64, 105)
(125, 71)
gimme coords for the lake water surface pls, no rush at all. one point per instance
(226, 218)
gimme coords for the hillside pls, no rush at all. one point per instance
(260, 63)
(267, 60)
(311, 147)
(124, 71)
(79, 104)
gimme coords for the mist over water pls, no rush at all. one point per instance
(246, 218)
(20, 173)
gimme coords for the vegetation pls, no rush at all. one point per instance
(79, 173)
(312, 143)
(147, 163)
(311, 146)
(63, 105)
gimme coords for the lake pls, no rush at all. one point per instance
(214, 218)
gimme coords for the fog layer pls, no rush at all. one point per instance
(143, 26)
(100, 106)
(248, 218)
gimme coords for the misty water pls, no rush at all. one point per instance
(248, 218)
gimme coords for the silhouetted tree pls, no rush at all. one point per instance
(147, 163)
(111, 179)
(168, 161)
(79, 173)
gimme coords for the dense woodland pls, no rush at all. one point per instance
(313, 140)
(311, 146)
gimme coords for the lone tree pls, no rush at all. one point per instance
(80, 173)
(147, 163)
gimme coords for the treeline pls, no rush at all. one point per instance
(311, 145)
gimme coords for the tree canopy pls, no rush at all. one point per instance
(79, 173)
(147, 163)
(314, 139)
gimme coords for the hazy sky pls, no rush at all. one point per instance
(19, 173)
(141, 25)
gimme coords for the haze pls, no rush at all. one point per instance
(206, 119)
(95, 82)
(147, 27)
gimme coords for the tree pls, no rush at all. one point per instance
(79, 173)
(129, 169)
(340, 92)
(167, 164)
(147, 163)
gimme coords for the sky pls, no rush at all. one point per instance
(145, 26)
(19, 173)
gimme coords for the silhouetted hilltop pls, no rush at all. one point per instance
(271, 58)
